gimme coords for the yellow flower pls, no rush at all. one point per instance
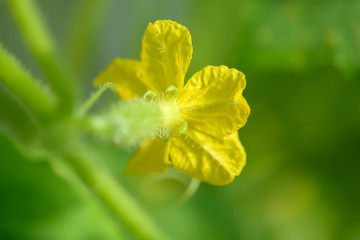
(201, 118)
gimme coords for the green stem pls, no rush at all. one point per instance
(90, 102)
(83, 30)
(114, 196)
(189, 192)
(39, 41)
(20, 82)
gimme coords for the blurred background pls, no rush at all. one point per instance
(302, 63)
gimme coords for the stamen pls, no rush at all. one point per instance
(172, 91)
(167, 140)
(172, 123)
(182, 129)
(150, 96)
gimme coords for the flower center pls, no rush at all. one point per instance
(172, 123)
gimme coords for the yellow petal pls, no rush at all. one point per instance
(212, 101)
(152, 157)
(166, 54)
(127, 76)
(207, 158)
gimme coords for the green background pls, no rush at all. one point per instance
(302, 64)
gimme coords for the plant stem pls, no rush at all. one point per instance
(39, 41)
(189, 191)
(113, 195)
(84, 27)
(93, 98)
(20, 82)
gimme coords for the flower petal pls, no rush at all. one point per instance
(166, 54)
(152, 157)
(207, 158)
(127, 76)
(212, 101)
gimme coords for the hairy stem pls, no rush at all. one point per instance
(36, 98)
(113, 195)
(93, 98)
(83, 30)
(32, 27)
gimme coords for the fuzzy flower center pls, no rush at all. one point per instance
(172, 123)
